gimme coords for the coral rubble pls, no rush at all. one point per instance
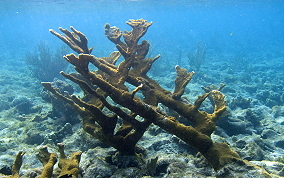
(111, 80)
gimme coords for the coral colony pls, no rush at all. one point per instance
(112, 112)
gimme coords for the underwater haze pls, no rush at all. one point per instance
(223, 25)
(239, 43)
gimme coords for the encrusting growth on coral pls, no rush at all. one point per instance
(110, 82)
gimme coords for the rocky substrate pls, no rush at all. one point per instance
(252, 126)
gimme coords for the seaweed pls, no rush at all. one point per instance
(43, 65)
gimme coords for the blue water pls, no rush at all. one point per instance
(224, 26)
(244, 41)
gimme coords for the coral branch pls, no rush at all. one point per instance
(76, 40)
(136, 90)
(182, 79)
(69, 166)
(48, 160)
(17, 165)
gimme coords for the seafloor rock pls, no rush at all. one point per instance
(5, 164)
(58, 136)
(278, 111)
(252, 151)
(235, 126)
(34, 137)
(273, 167)
(269, 98)
(251, 89)
(130, 172)
(63, 112)
(22, 104)
(269, 134)
(4, 104)
(82, 141)
(253, 147)
(5, 169)
(98, 168)
(245, 121)
(280, 143)
(240, 102)
(239, 169)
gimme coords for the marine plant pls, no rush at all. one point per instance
(197, 56)
(111, 111)
(43, 65)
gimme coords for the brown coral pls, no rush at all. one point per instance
(110, 82)
(17, 165)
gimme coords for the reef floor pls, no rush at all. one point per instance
(253, 125)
